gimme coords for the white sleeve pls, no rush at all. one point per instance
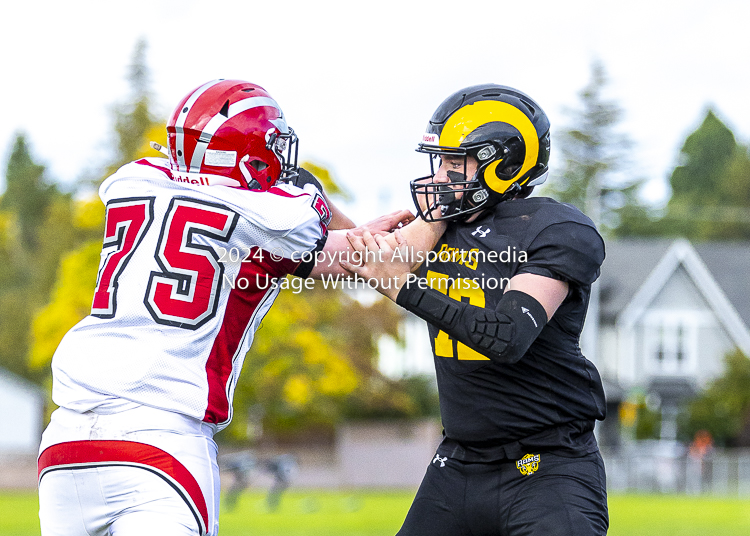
(133, 180)
(292, 220)
(310, 226)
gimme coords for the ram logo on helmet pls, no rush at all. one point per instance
(503, 130)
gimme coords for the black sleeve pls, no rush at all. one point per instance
(305, 177)
(568, 251)
(304, 268)
(503, 334)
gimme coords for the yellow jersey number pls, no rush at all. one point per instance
(461, 288)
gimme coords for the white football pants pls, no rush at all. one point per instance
(136, 472)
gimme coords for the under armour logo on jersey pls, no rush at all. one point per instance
(479, 232)
(525, 311)
(439, 459)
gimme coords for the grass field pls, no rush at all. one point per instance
(373, 513)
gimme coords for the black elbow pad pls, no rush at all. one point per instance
(503, 335)
(520, 316)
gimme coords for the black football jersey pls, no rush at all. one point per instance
(483, 402)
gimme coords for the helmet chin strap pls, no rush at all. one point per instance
(446, 197)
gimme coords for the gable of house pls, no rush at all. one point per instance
(665, 314)
(729, 264)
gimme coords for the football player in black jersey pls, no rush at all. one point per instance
(505, 292)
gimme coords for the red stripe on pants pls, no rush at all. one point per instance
(72, 453)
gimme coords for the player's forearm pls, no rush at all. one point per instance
(337, 248)
(339, 220)
(421, 237)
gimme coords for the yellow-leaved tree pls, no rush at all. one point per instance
(70, 300)
(73, 291)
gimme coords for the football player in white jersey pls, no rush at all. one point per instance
(192, 246)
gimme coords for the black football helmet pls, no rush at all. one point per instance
(504, 130)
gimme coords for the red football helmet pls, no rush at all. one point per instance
(233, 133)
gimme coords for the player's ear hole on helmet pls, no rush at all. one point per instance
(258, 165)
(510, 170)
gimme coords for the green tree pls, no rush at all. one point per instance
(28, 191)
(711, 186)
(39, 226)
(35, 223)
(595, 160)
(135, 119)
(14, 284)
(723, 408)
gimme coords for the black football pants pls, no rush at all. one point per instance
(557, 496)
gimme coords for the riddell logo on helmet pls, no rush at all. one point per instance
(430, 139)
(192, 180)
(202, 179)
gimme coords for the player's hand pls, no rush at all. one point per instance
(386, 223)
(385, 261)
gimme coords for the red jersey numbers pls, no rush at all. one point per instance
(185, 292)
(126, 224)
(321, 207)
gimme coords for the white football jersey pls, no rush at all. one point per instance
(185, 278)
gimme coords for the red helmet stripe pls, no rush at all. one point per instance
(180, 122)
(217, 120)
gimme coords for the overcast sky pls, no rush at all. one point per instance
(359, 81)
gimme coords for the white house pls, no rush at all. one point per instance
(668, 313)
(22, 408)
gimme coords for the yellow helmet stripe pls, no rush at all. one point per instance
(467, 119)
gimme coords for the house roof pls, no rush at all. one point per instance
(729, 264)
(627, 265)
(630, 275)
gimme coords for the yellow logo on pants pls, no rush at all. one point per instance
(529, 464)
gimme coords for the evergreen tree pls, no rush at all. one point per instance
(35, 219)
(595, 160)
(76, 265)
(711, 186)
(41, 226)
(28, 192)
(135, 118)
(14, 284)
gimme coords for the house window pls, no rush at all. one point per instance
(670, 343)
